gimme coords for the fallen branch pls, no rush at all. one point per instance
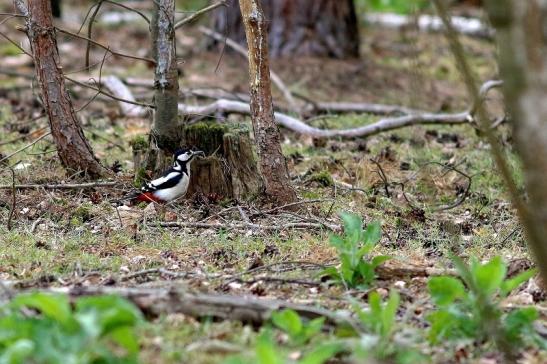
(382, 125)
(427, 23)
(170, 300)
(121, 91)
(244, 226)
(56, 186)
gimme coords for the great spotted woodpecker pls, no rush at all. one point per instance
(173, 183)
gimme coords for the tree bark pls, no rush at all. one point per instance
(165, 135)
(72, 146)
(272, 164)
(326, 28)
(522, 39)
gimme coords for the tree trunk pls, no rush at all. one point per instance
(522, 40)
(272, 164)
(165, 135)
(322, 28)
(72, 147)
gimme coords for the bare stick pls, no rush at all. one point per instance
(60, 30)
(199, 13)
(57, 186)
(243, 226)
(14, 198)
(119, 89)
(25, 147)
(114, 97)
(242, 51)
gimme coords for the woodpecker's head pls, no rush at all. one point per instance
(185, 156)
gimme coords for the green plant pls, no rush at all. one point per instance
(395, 6)
(356, 269)
(268, 352)
(468, 307)
(299, 331)
(379, 322)
(44, 328)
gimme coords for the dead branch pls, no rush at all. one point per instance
(298, 126)
(58, 186)
(120, 90)
(107, 48)
(14, 199)
(199, 13)
(108, 94)
(428, 23)
(170, 300)
(246, 226)
(25, 147)
(362, 107)
(242, 51)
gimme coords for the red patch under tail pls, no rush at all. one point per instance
(147, 197)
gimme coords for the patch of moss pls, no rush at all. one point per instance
(207, 136)
(140, 177)
(323, 177)
(140, 142)
(83, 212)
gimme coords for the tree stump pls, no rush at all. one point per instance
(230, 170)
(317, 28)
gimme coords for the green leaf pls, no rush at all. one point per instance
(288, 321)
(510, 284)
(373, 233)
(321, 354)
(112, 312)
(54, 306)
(313, 327)
(389, 313)
(331, 272)
(442, 322)
(445, 290)
(266, 350)
(379, 259)
(353, 224)
(489, 277)
(125, 337)
(336, 241)
(17, 352)
(519, 322)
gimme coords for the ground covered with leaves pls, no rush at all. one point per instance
(373, 240)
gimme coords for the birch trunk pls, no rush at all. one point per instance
(272, 164)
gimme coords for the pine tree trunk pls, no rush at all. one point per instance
(324, 28)
(272, 164)
(72, 146)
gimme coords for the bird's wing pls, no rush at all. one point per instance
(169, 180)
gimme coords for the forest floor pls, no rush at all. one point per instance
(74, 237)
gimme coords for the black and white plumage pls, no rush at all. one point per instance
(173, 183)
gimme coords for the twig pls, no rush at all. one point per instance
(108, 94)
(198, 13)
(290, 205)
(65, 186)
(243, 51)
(23, 136)
(25, 147)
(202, 225)
(104, 46)
(14, 198)
(89, 31)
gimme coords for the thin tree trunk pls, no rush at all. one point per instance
(165, 135)
(72, 147)
(522, 38)
(272, 164)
